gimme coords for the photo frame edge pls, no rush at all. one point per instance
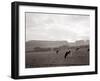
(14, 41)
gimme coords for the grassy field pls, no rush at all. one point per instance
(50, 58)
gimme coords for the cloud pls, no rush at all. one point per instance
(41, 26)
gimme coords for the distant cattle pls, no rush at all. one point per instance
(77, 49)
(57, 51)
(67, 53)
(88, 49)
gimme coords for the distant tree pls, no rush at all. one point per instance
(37, 48)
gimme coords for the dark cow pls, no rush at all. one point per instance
(67, 53)
(77, 49)
(88, 49)
(57, 51)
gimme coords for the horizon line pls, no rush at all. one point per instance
(58, 40)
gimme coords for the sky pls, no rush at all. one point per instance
(57, 27)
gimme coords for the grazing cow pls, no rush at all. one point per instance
(57, 51)
(67, 53)
(77, 49)
(88, 49)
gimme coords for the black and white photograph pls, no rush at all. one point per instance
(50, 40)
(56, 39)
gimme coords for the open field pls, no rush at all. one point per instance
(52, 58)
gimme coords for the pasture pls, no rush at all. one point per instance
(51, 57)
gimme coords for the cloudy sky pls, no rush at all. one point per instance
(57, 27)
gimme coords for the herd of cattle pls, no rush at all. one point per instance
(69, 52)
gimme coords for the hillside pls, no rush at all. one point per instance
(30, 45)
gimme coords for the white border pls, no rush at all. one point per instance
(53, 70)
